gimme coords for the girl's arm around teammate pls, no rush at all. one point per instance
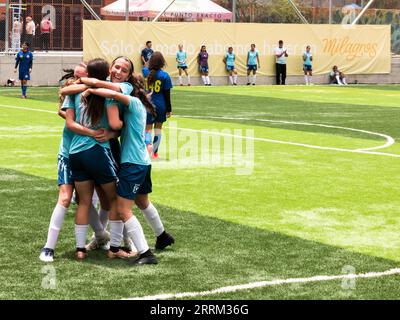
(110, 94)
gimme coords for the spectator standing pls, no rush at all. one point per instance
(30, 29)
(2, 31)
(147, 52)
(281, 55)
(45, 29)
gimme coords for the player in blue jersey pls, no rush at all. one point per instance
(202, 60)
(24, 61)
(134, 174)
(181, 57)
(159, 84)
(253, 60)
(307, 66)
(229, 61)
(145, 56)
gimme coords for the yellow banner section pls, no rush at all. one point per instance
(361, 49)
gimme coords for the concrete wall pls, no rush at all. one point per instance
(47, 70)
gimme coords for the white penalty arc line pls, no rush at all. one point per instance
(361, 151)
(389, 139)
(261, 284)
(25, 108)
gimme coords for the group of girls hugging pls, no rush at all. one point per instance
(103, 153)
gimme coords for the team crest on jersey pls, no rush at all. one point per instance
(28, 56)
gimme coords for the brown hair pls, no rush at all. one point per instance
(138, 84)
(99, 69)
(156, 62)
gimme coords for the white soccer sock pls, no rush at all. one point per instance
(80, 235)
(56, 222)
(153, 219)
(306, 79)
(235, 78)
(128, 240)
(180, 79)
(204, 79)
(95, 223)
(208, 80)
(103, 215)
(231, 79)
(248, 79)
(95, 199)
(344, 81)
(188, 79)
(135, 232)
(116, 232)
(254, 79)
(338, 80)
(309, 79)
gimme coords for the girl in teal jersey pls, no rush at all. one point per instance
(134, 174)
(229, 61)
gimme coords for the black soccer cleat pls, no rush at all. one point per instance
(145, 258)
(164, 240)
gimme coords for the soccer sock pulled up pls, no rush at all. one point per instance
(235, 78)
(153, 219)
(116, 234)
(56, 221)
(157, 139)
(147, 137)
(135, 232)
(80, 235)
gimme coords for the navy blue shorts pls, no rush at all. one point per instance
(96, 163)
(64, 171)
(204, 69)
(182, 67)
(115, 150)
(133, 179)
(24, 75)
(160, 117)
(230, 68)
(307, 67)
(252, 67)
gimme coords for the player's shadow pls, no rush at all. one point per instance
(208, 253)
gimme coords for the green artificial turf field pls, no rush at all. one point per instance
(255, 183)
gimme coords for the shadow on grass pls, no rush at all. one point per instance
(209, 253)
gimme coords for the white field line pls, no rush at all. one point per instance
(389, 139)
(261, 284)
(289, 143)
(25, 108)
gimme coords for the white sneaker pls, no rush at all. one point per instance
(47, 255)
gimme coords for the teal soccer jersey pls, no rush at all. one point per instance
(181, 56)
(79, 142)
(67, 135)
(133, 147)
(252, 58)
(126, 88)
(308, 56)
(230, 59)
